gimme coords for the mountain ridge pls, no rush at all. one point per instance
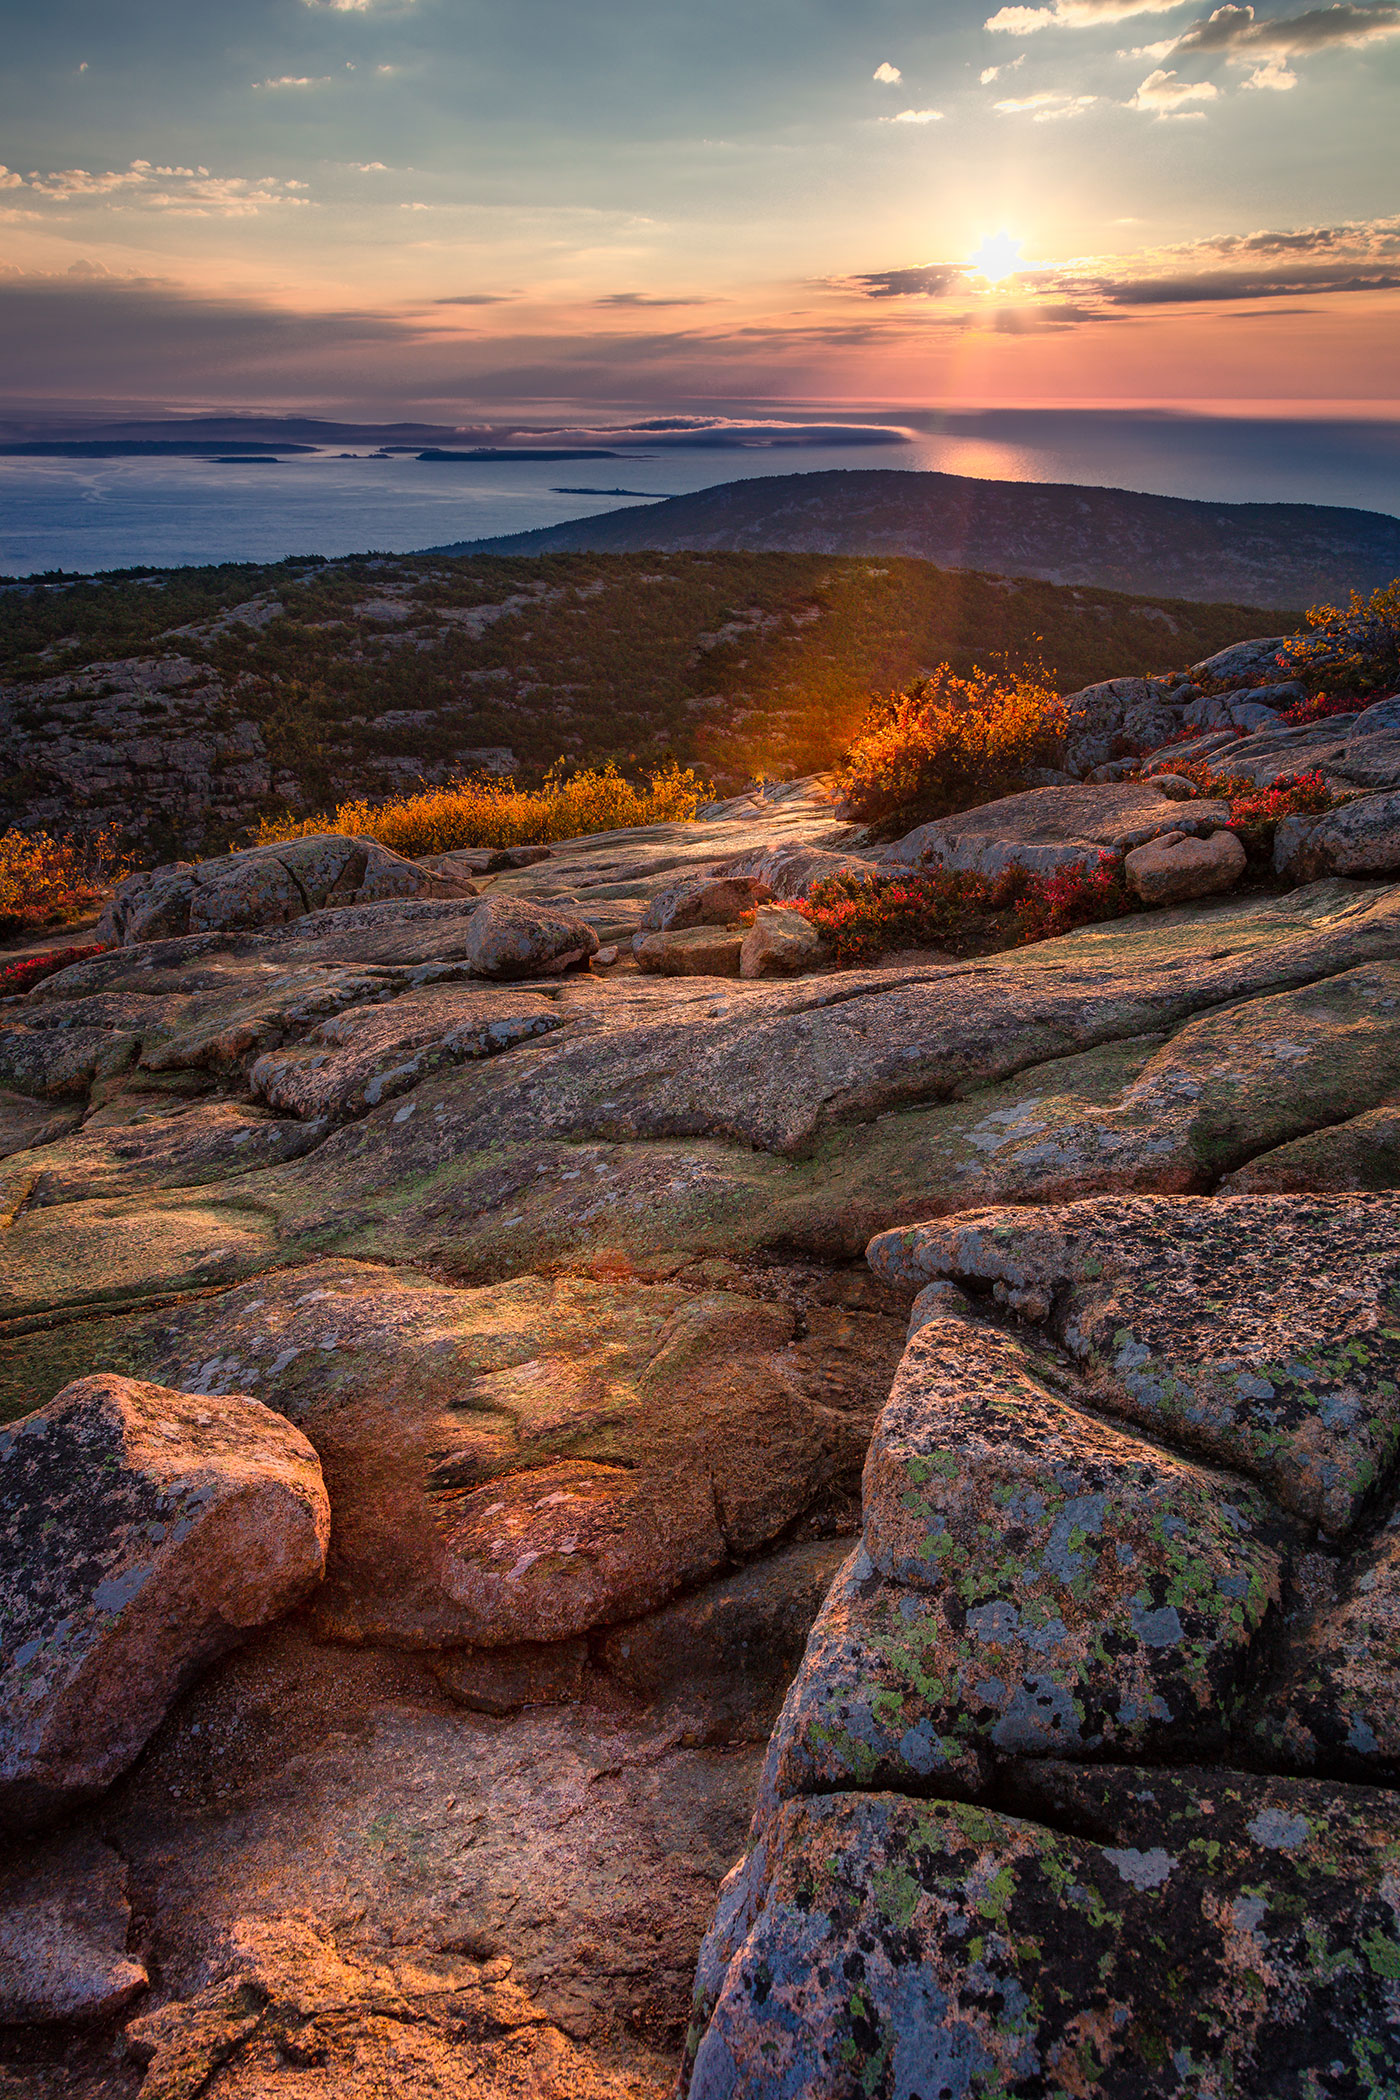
(1270, 554)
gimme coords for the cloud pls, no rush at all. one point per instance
(915, 116)
(1237, 33)
(186, 192)
(9, 180)
(475, 299)
(991, 73)
(1162, 93)
(633, 299)
(1072, 14)
(928, 281)
(887, 73)
(1213, 286)
(353, 7)
(293, 80)
(1272, 74)
(1044, 107)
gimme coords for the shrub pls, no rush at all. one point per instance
(485, 812)
(949, 743)
(1320, 707)
(1256, 813)
(29, 970)
(863, 917)
(46, 881)
(1352, 649)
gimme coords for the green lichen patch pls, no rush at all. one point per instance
(1215, 1935)
(1260, 1331)
(1031, 1581)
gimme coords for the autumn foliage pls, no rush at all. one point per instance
(949, 743)
(46, 881)
(863, 917)
(486, 812)
(1350, 651)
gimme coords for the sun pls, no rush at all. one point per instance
(998, 258)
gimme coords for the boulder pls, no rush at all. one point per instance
(145, 1532)
(64, 1919)
(1252, 1330)
(794, 870)
(704, 900)
(509, 938)
(1174, 868)
(1254, 661)
(1047, 828)
(266, 886)
(694, 951)
(1360, 838)
(1114, 1931)
(780, 943)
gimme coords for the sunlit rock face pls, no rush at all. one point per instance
(1046, 1549)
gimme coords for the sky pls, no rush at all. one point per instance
(455, 210)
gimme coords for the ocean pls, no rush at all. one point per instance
(94, 514)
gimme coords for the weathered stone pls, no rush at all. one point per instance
(1242, 661)
(64, 1919)
(266, 886)
(113, 1249)
(26, 1121)
(1257, 1330)
(522, 1673)
(1335, 1698)
(1361, 1152)
(1360, 838)
(369, 1054)
(704, 900)
(165, 1143)
(1029, 1582)
(510, 939)
(780, 944)
(1047, 828)
(1174, 868)
(524, 1462)
(696, 951)
(790, 871)
(1216, 1933)
(145, 1532)
(724, 1656)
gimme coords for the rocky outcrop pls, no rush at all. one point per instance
(562, 1282)
(266, 886)
(1176, 867)
(146, 1531)
(1059, 827)
(509, 938)
(64, 1925)
(1042, 1607)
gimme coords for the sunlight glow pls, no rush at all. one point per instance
(998, 257)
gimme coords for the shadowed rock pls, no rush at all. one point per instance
(145, 1532)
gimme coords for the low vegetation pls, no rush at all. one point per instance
(29, 970)
(46, 881)
(949, 743)
(1350, 652)
(1255, 812)
(864, 917)
(486, 812)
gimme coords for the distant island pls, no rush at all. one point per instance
(651, 495)
(1269, 554)
(492, 455)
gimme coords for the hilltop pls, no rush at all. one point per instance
(183, 704)
(1274, 554)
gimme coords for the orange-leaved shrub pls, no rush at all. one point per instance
(46, 881)
(862, 917)
(948, 743)
(487, 812)
(1350, 650)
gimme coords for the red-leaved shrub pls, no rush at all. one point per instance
(28, 970)
(863, 917)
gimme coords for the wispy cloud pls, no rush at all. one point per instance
(1045, 107)
(355, 7)
(1272, 74)
(1072, 14)
(294, 80)
(991, 73)
(915, 116)
(927, 281)
(887, 73)
(636, 299)
(1162, 93)
(188, 192)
